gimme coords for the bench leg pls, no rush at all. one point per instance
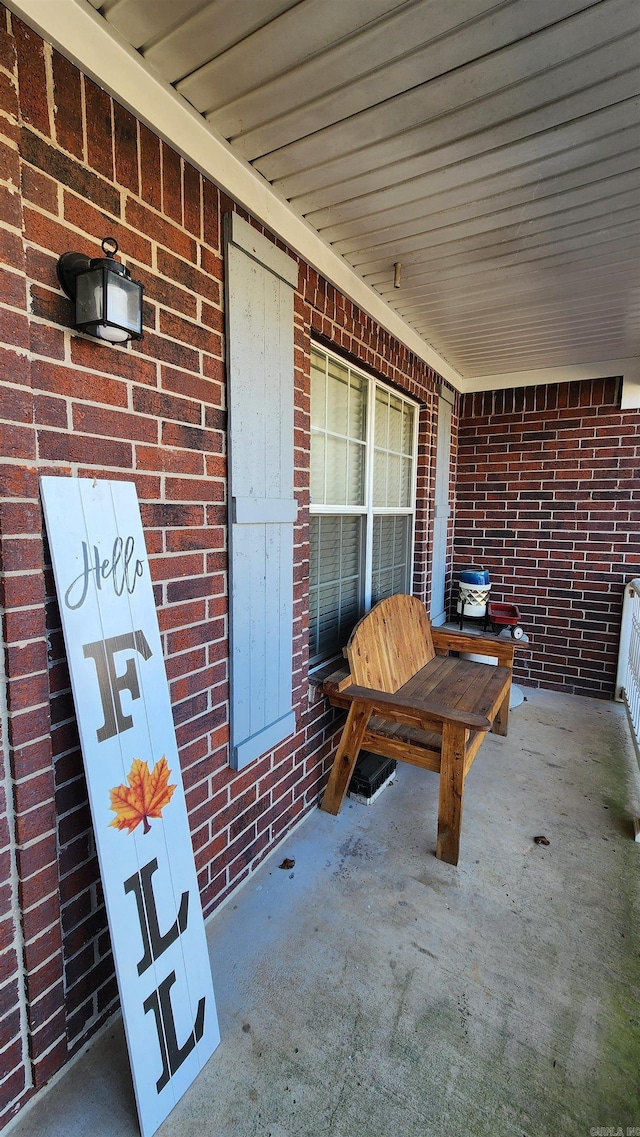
(501, 721)
(346, 756)
(454, 738)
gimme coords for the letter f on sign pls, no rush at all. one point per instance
(112, 685)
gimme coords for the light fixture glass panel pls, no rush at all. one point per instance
(122, 310)
(89, 297)
(123, 302)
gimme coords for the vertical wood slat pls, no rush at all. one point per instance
(260, 282)
(390, 644)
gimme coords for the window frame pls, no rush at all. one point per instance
(369, 511)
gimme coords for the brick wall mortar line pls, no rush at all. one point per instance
(14, 880)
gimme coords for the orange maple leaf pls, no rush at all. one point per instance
(146, 795)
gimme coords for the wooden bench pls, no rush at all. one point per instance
(409, 699)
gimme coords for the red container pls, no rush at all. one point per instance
(507, 614)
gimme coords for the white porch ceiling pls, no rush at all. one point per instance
(490, 146)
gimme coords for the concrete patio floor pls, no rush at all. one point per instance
(375, 991)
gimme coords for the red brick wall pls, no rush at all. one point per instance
(75, 168)
(548, 499)
(12, 1023)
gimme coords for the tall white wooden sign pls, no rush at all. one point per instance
(135, 786)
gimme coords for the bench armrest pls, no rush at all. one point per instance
(498, 646)
(427, 709)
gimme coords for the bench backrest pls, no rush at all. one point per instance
(390, 644)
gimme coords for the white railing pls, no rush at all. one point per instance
(628, 677)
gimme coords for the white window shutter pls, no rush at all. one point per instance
(260, 282)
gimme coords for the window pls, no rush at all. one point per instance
(363, 448)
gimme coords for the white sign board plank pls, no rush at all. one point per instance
(135, 787)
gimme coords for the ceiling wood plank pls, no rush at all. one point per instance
(210, 32)
(552, 254)
(520, 72)
(606, 275)
(521, 164)
(279, 45)
(142, 20)
(481, 136)
(537, 215)
(535, 198)
(407, 49)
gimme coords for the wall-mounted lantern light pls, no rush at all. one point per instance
(108, 302)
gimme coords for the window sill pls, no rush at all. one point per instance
(322, 671)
